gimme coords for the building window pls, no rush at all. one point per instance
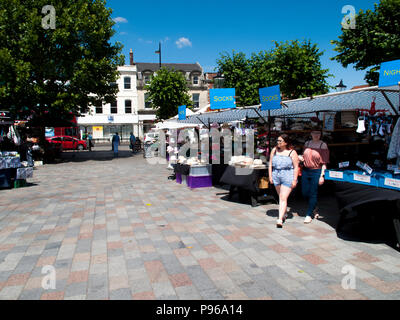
(127, 83)
(147, 101)
(128, 106)
(114, 107)
(99, 109)
(147, 79)
(195, 80)
(196, 100)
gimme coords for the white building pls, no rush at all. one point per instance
(131, 111)
(120, 116)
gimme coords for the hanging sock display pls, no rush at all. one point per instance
(394, 147)
(361, 125)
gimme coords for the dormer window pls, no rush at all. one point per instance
(147, 78)
(127, 82)
(196, 80)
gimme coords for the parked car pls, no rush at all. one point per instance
(68, 143)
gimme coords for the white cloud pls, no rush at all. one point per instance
(120, 20)
(123, 33)
(183, 42)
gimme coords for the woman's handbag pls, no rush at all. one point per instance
(264, 183)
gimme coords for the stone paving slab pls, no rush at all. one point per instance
(117, 228)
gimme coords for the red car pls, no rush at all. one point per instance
(68, 143)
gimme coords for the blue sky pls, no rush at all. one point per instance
(198, 31)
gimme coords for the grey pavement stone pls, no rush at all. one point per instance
(162, 290)
(318, 287)
(118, 252)
(54, 245)
(384, 275)
(140, 285)
(76, 289)
(134, 263)
(4, 275)
(199, 278)
(83, 245)
(210, 294)
(63, 263)
(33, 294)
(150, 256)
(121, 294)
(20, 249)
(172, 264)
(304, 295)
(49, 252)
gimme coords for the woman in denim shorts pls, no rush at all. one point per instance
(283, 173)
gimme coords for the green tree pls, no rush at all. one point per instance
(50, 73)
(375, 39)
(167, 91)
(295, 66)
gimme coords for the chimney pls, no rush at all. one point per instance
(131, 58)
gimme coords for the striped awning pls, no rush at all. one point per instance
(385, 99)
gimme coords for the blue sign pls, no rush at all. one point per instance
(270, 98)
(182, 112)
(222, 99)
(49, 132)
(110, 118)
(390, 74)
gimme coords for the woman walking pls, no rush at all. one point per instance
(315, 158)
(283, 173)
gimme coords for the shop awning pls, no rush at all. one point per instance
(385, 99)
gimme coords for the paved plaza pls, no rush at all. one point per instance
(119, 229)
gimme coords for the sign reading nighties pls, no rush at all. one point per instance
(222, 99)
(389, 74)
(270, 98)
(182, 112)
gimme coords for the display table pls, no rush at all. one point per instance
(246, 181)
(363, 200)
(197, 176)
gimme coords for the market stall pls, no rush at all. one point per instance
(13, 171)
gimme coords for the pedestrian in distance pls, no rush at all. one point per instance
(90, 141)
(283, 172)
(115, 144)
(132, 142)
(315, 158)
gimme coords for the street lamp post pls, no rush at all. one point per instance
(340, 87)
(159, 52)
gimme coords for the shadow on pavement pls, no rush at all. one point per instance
(102, 153)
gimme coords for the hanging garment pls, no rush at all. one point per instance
(381, 130)
(361, 125)
(394, 147)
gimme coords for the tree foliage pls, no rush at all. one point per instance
(167, 91)
(295, 66)
(375, 39)
(61, 70)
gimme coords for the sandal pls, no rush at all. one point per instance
(279, 223)
(284, 218)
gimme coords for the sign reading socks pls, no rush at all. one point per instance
(270, 98)
(222, 99)
(182, 112)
